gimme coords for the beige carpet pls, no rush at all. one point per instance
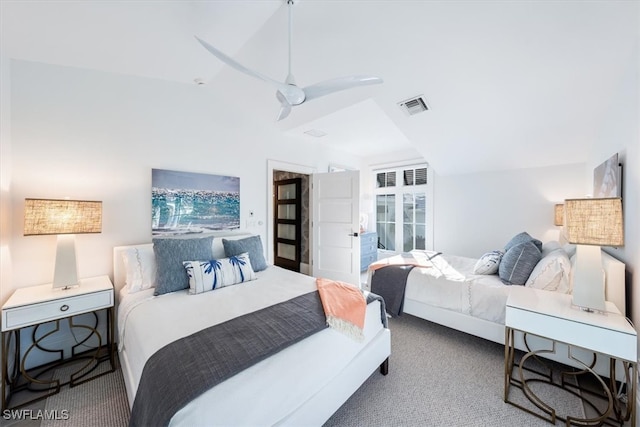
(438, 377)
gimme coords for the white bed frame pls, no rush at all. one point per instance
(614, 292)
(327, 400)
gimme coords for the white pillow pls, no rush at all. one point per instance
(488, 263)
(140, 266)
(570, 249)
(550, 246)
(552, 273)
(206, 276)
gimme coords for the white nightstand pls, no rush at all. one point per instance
(37, 305)
(550, 315)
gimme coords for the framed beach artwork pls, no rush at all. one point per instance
(607, 178)
(186, 203)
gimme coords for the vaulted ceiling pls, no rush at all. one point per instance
(509, 84)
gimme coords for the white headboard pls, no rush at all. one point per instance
(120, 274)
(614, 272)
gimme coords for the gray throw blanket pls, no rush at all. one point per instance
(186, 368)
(390, 282)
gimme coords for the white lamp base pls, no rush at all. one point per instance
(588, 279)
(66, 273)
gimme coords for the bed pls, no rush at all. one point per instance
(449, 292)
(304, 384)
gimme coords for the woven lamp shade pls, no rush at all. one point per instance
(594, 221)
(558, 214)
(46, 216)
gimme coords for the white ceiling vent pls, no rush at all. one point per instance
(414, 105)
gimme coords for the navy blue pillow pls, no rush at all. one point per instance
(518, 263)
(252, 245)
(170, 253)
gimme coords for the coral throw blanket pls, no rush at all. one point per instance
(344, 305)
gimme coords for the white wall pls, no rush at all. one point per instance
(5, 177)
(479, 212)
(94, 135)
(620, 133)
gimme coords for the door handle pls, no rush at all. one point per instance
(353, 235)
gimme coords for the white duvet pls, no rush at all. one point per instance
(281, 383)
(450, 284)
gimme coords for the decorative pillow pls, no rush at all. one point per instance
(140, 266)
(252, 245)
(550, 246)
(488, 263)
(518, 263)
(522, 238)
(217, 273)
(570, 249)
(551, 273)
(170, 253)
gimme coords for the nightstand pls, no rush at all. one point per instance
(550, 315)
(37, 306)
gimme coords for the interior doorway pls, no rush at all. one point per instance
(291, 220)
(287, 227)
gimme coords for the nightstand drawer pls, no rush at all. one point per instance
(19, 317)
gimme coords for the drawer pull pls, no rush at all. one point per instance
(64, 308)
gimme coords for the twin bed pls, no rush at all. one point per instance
(448, 291)
(304, 384)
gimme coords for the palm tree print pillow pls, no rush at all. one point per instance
(209, 275)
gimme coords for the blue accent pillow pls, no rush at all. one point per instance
(170, 253)
(251, 245)
(522, 238)
(518, 263)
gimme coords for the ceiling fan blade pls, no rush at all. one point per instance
(341, 83)
(285, 107)
(293, 94)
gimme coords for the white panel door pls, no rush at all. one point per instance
(336, 241)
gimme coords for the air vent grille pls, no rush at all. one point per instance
(414, 105)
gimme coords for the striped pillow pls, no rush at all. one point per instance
(206, 276)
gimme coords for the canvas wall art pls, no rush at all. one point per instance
(607, 179)
(185, 202)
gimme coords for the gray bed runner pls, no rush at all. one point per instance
(186, 368)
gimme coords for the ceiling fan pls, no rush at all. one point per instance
(287, 92)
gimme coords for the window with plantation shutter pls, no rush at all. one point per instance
(403, 220)
(386, 179)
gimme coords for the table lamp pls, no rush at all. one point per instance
(558, 214)
(591, 223)
(65, 218)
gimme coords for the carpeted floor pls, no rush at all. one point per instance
(97, 403)
(438, 377)
(442, 377)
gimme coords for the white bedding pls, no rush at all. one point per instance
(450, 284)
(281, 383)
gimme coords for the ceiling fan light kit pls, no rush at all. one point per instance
(287, 92)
